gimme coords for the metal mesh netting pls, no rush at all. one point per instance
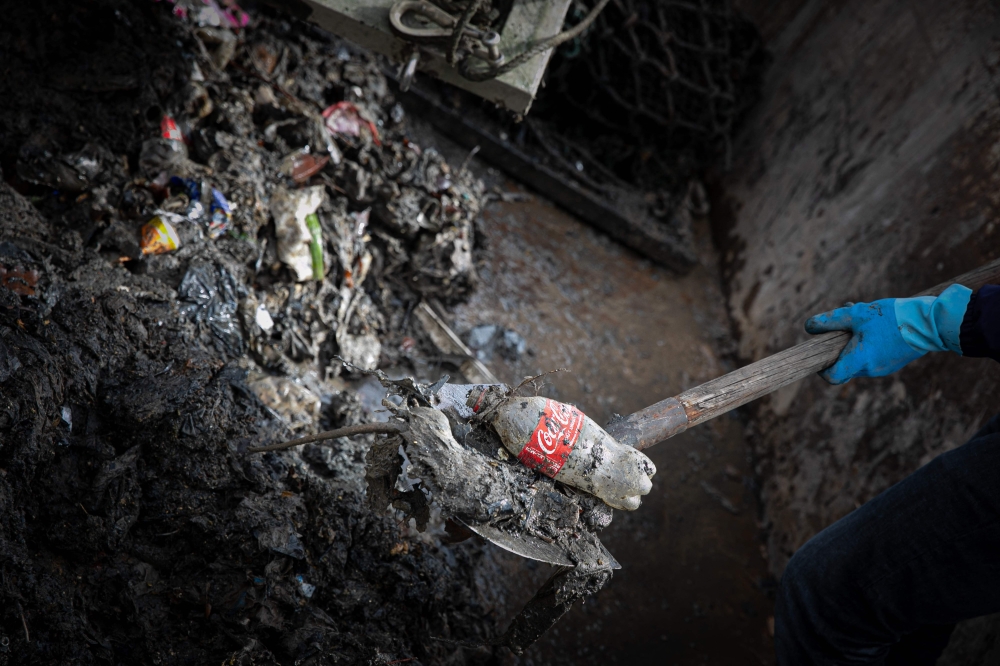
(652, 91)
(638, 105)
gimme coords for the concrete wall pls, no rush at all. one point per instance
(869, 170)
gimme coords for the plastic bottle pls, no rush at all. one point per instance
(164, 153)
(563, 443)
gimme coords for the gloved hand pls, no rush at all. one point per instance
(889, 333)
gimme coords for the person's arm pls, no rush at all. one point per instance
(889, 333)
(980, 330)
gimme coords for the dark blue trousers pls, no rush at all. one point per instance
(886, 584)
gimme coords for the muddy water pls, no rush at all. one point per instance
(629, 334)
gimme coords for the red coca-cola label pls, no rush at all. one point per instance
(553, 439)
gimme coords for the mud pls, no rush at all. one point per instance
(134, 527)
(519, 504)
(448, 463)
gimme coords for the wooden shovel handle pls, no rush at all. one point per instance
(701, 403)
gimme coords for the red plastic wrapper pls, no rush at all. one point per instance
(169, 129)
(224, 14)
(344, 118)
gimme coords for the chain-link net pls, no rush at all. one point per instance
(653, 90)
(634, 110)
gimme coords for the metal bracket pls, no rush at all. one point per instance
(368, 24)
(483, 44)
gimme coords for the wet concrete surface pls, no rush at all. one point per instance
(692, 589)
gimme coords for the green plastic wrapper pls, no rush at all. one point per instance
(315, 245)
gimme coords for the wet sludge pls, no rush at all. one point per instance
(134, 528)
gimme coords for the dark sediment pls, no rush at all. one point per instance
(133, 526)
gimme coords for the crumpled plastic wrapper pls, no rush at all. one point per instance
(290, 208)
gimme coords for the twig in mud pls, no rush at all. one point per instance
(531, 380)
(468, 158)
(24, 623)
(463, 644)
(346, 431)
(508, 392)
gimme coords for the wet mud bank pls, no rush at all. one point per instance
(134, 525)
(135, 529)
(868, 171)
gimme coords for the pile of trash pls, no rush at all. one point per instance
(204, 214)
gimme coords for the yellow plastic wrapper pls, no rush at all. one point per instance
(159, 236)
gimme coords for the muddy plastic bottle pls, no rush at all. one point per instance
(563, 443)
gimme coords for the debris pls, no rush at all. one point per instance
(220, 44)
(170, 131)
(301, 165)
(196, 209)
(307, 589)
(506, 503)
(448, 342)
(290, 209)
(154, 354)
(362, 351)
(315, 245)
(166, 153)
(298, 406)
(19, 280)
(220, 215)
(344, 118)
(159, 236)
(71, 172)
(201, 196)
(211, 296)
(355, 259)
(263, 318)
(486, 339)
(210, 13)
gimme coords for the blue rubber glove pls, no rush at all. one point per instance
(889, 333)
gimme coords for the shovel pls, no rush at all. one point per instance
(672, 416)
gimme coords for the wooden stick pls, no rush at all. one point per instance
(718, 396)
(346, 431)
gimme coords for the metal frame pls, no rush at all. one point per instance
(367, 24)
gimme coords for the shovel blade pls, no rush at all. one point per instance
(523, 545)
